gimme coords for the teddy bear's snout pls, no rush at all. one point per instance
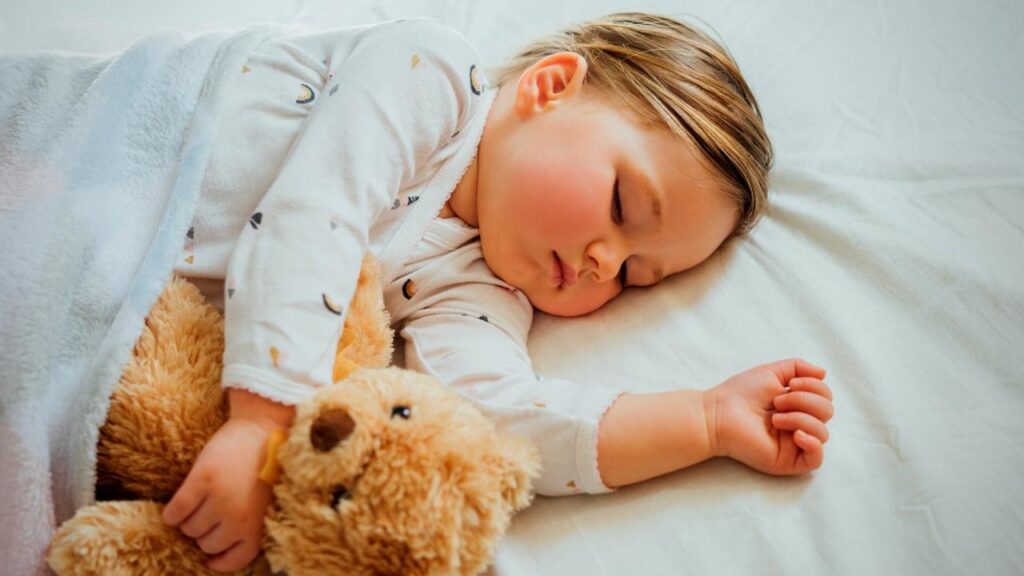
(330, 428)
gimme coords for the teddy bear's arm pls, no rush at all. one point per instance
(127, 538)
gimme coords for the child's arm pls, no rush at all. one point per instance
(398, 94)
(222, 501)
(592, 438)
(772, 418)
(647, 435)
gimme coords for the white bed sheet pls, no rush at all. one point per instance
(893, 254)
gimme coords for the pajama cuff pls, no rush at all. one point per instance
(586, 446)
(266, 384)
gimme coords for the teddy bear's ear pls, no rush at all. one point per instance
(519, 464)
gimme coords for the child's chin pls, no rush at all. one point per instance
(564, 307)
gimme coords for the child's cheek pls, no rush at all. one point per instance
(562, 206)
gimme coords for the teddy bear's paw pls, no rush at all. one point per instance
(123, 538)
(519, 464)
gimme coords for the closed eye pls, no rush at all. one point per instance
(619, 218)
(616, 204)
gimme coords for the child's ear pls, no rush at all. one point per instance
(548, 81)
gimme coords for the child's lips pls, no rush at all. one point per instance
(562, 275)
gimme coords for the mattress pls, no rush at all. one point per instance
(892, 254)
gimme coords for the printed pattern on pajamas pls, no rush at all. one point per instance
(337, 142)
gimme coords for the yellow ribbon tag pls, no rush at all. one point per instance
(271, 469)
(343, 366)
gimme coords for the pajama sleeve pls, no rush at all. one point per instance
(473, 338)
(396, 95)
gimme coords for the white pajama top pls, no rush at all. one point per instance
(334, 143)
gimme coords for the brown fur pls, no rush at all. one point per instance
(427, 494)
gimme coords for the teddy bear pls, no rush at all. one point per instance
(385, 472)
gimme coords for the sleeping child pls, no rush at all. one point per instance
(606, 156)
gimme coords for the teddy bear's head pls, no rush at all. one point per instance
(390, 472)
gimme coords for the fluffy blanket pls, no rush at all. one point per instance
(101, 162)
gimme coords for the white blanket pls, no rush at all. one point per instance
(101, 160)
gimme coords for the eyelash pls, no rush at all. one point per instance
(618, 219)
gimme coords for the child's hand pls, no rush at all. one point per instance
(222, 502)
(772, 417)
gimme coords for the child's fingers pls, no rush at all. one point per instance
(794, 421)
(811, 385)
(813, 404)
(786, 370)
(235, 558)
(182, 505)
(216, 540)
(200, 522)
(806, 369)
(813, 451)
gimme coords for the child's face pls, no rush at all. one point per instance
(548, 219)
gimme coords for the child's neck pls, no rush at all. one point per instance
(447, 212)
(462, 202)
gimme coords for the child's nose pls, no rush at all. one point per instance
(605, 260)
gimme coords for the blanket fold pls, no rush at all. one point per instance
(101, 163)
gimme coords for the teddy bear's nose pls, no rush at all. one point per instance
(331, 427)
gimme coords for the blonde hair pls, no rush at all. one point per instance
(672, 75)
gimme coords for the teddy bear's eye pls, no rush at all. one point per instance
(340, 493)
(403, 412)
